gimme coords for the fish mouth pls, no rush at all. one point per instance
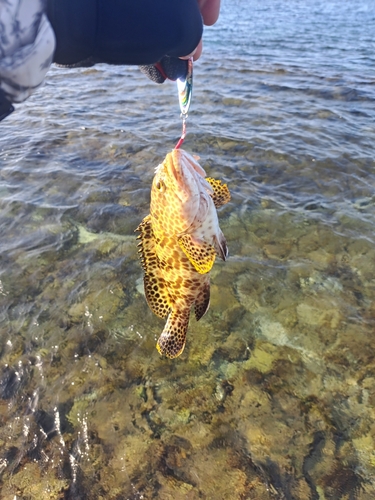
(179, 156)
(174, 168)
(185, 173)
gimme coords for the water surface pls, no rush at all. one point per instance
(274, 395)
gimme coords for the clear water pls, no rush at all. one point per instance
(274, 395)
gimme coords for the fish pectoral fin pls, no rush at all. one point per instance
(172, 341)
(201, 254)
(202, 303)
(221, 194)
(220, 245)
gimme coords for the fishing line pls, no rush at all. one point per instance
(183, 135)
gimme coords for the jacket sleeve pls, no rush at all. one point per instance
(135, 32)
(27, 45)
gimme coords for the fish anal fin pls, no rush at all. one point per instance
(202, 303)
(201, 254)
(172, 341)
(221, 194)
(220, 245)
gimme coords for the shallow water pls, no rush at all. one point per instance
(274, 395)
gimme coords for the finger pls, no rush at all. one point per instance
(196, 52)
(210, 11)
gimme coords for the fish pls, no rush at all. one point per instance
(179, 241)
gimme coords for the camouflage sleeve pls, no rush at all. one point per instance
(27, 44)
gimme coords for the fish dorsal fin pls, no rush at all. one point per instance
(172, 341)
(221, 194)
(202, 303)
(201, 254)
(146, 246)
(156, 291)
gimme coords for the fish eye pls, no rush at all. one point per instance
(160, 186)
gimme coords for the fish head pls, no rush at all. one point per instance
(179, 193)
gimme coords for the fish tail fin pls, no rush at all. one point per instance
(221, 193)
(171, 342)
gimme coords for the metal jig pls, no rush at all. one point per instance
(185, 88)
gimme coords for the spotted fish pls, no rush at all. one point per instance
(179, 241)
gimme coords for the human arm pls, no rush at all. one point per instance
(26, 50)
(123, 31)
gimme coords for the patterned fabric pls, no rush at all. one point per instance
(27, 45)
(168, 67)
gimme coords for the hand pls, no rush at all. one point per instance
(210, 12)
(171, 67)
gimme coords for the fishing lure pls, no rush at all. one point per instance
(185, 89)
